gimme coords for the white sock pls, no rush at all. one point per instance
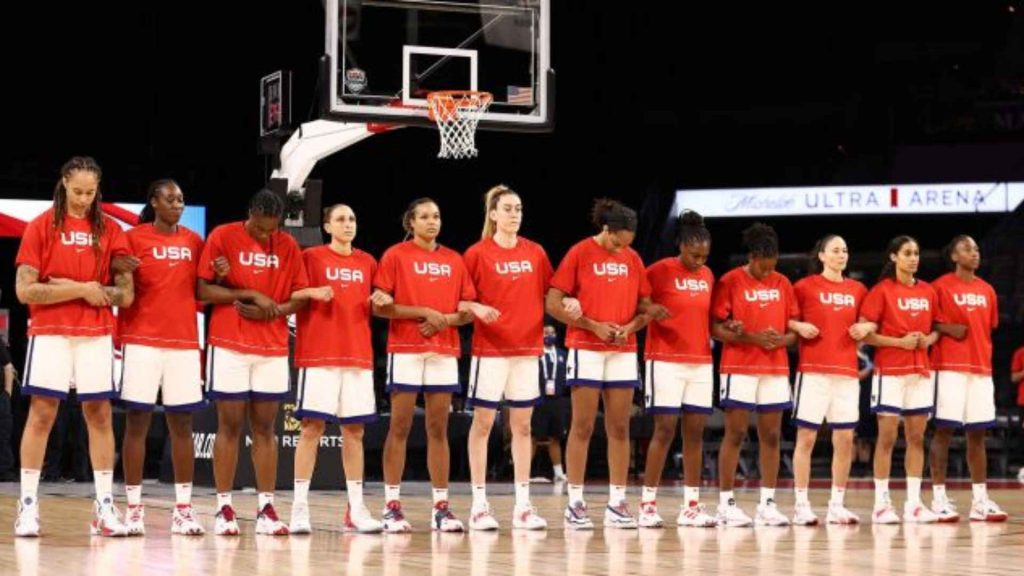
(479, 496)
(264, 498)
(392, 493)
(838, 494)
(575, 493)
(104, 481)
(522, 494)
(133, 494)
(649, 494)
(691, 495)
(980, 492)
(29, 486)
(881, 491)
(558, 471)
(301, 492)
(355, 493)
(223, 499)
(938, 491)
(183, 494)
(616, 494)
(724, 496)
(801, 495)
(766, 495)
(913, 490)
(441, 495)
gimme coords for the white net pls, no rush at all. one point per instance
(457, 115)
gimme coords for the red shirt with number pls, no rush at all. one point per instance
(514, 281)
(685, 337)
(759, 305)
(832, 307)
(337, 333)
(164, 312)
(898, 310)
(436, 279)
(67, 252)
(607, 284)
(274, 269)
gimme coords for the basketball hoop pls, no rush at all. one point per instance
(457, 114)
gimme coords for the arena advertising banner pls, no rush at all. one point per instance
(895, 199)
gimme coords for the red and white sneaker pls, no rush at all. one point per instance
(183, 521)
(268, 523)
(649, 517)
(135, 520)
(695, 516)
(526, 518)
(884, 514)
(945, 511)
(480, 518)
(225, 522)
(987, 511)
(394, 520)
(108, 521)
(838, 514)
(359, 520)
(919, 514)
(444, 520)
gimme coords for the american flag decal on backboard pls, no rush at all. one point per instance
(520, 95)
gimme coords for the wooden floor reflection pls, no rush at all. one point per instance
(66, 548)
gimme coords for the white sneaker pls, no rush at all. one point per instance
(768, 515)
(618, 516)
(135, 520)
(268, 523)
(919, 514)
(526, 518)
(695, 516)
(27, 522)
(225, 523)
(884, 513)
(945, 511)
(838, 514)
(482, 519)
(393, 519)
(732, 516)
(803, 515)
(445, 520)
(108, 521)
(359, 520)
(300, 519)
(184, 522)
(576, 517)
(649, 517)
(987, 511)
(561, 478)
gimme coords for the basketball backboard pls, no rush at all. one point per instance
(385, 56)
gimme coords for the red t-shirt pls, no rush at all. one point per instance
(686, 336)
(164, 312)
(1016, 365)
(975, 305)
(759, 305)
(67, 252)
(514, 281)
(274, 269)
(832, 307)
(608, 286)
(336, 333)
(898, 310)
(434, 279)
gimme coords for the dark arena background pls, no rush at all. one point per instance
(798, 116)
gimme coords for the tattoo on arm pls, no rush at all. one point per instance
(28, 287)
(122, 293)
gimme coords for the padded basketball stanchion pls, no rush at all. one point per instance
(457, 113)
(314, 141)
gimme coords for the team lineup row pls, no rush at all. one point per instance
(933, 355)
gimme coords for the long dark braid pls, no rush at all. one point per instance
(60, 204)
